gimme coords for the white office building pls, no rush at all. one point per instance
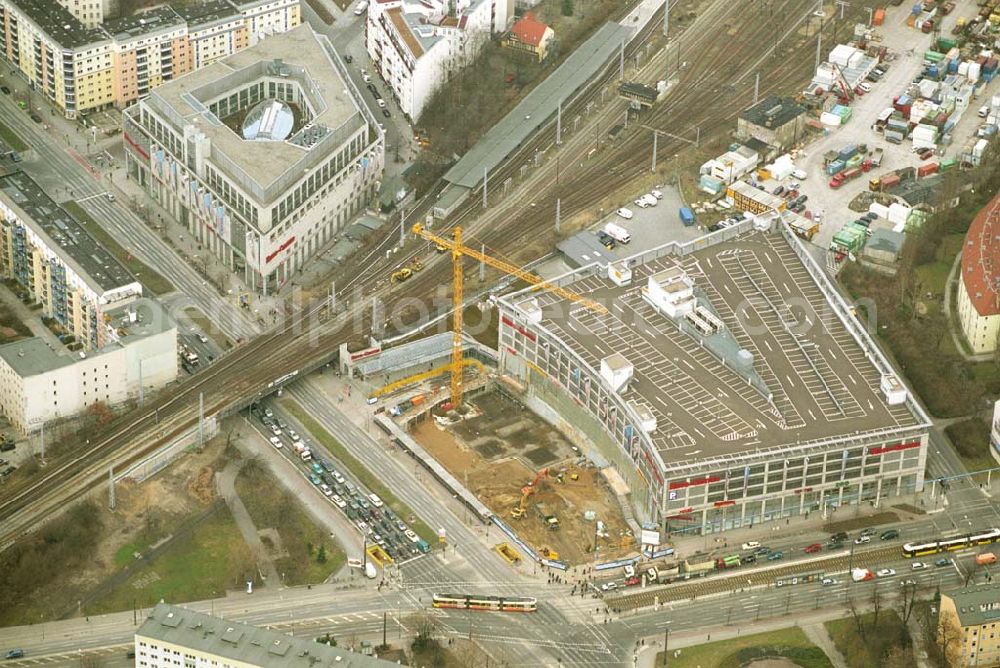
(416, 45)
(263, 155)
(40, 381)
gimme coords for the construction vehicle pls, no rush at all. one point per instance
(458, 250)
(402, 275)
(552, 555)
(846, 94)
(547, 516)
(416, 264)
(518, 511)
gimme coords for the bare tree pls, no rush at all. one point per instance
(899, 657)
(907, 597)
(876, 607)
(853, 609)
(949, 639)
(425, 626)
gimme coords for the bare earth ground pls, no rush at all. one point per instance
(144, 514)
(499, 451)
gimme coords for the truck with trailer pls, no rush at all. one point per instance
(698, 568)
(861, 575)
(843, 177)
(876, 157)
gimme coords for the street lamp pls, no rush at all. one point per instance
(666, 643)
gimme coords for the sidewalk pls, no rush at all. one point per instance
(682, 639)
(225, 482)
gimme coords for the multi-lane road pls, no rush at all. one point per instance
(67, 175)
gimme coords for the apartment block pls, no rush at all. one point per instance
(58, 265)
(418, 45)
(81, 66)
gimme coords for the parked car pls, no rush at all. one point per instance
(763, 549)
(778, 190)
(656, 193)
(750, 545)
(774, 556)
(861, 540)
(641, 203)
(885, 572)
(839, 536)
(14, 654)
(609, 586)
(276, 442)
(606, 240)
(918, 565)
(4, 90)
(35, 117)
(385, 112)
(829, 581)
(625, 213)
(889, 534)
(865, 86)
(944, 561)
(815, 547)
(868, 532)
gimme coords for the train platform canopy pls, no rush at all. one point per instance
(538, 105)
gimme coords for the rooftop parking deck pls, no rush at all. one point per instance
(810, 378)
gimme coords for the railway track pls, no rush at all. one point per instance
(306, 339)
(744, 578)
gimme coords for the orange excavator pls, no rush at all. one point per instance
(518, 511)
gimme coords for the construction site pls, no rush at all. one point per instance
(530, 476)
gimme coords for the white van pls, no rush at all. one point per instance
(624, 213)
(377, 502)
(618, 233)
(361, 8)
(800, 174)
(984, 111)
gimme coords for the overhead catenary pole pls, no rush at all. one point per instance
(485, 178)
(111, 488)
(621, 61)
(201, 418)
(653, 166)
(558, 203)
(402, 227)
(756, 88)
(482, 265)
(666, 18)
(559, 123)
(819, 46)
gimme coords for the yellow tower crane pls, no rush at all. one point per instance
(458, 249)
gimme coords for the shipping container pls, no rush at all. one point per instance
(848, 152)
(888, 182)
(879, 17)
(893, 136)
(927, 169)
(854, 162)
(947, 163)
(687, 216)
(835, 167)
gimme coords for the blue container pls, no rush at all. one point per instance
(687, 216)
(933, 72)
(835, 167)
(953, 66)
(917, 8)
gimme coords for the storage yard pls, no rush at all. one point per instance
(505, 448)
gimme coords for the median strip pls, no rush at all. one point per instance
(364, 476)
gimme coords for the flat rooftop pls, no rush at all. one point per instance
(58, 23)
(302, 55)
(243, 644)
(34, 356)
(91, 261)
(148, 22)
(538, 105)
(822, 382)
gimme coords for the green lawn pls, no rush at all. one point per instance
(154, 282)
(791, 643)
(12, 139)
(202, 564)
(877, 642)
(272, 506)
(325, 438)
(207, 326)
(971, 439)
